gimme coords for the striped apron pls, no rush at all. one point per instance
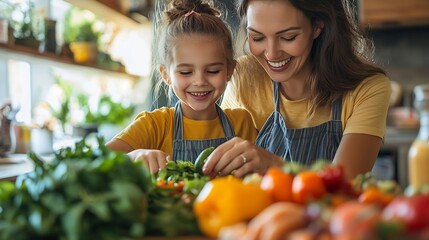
(302, 145)
(188, 150)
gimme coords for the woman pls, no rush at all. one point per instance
(318, 94)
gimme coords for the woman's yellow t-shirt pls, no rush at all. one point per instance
(364, 109)
(154, 130)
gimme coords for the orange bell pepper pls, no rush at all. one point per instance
(227, 201)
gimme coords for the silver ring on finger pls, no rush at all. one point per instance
(244, 159)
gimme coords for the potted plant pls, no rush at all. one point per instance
(60, 110)
(80, 34)
(108, 116)
(27, 23)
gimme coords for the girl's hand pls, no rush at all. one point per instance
(240, 157)
(153, 159)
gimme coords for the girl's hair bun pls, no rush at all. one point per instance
(179, 8)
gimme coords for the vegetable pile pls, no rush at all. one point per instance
(90, 192)
(84, 193)
(318, 203)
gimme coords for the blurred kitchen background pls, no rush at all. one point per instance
(55, 88)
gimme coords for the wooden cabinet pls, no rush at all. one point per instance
(393, 13)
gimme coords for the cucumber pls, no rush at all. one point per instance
(202, 158)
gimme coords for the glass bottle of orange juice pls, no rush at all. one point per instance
(418, 155)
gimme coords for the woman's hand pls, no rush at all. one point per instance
(240, 157)
(153, 159)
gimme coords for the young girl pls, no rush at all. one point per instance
(196, 61)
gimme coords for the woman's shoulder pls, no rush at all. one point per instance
(374, 83)
(248, 76)
(247, 60)
(375, 80)
(249, 65)
(243, 123)
(378, 85)
(236, 111)
(238, 114)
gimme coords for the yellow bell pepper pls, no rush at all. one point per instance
(227, 201)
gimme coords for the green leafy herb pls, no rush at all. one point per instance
(84, 193)
(91, 192)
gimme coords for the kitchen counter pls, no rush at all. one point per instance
(14, 165)
(399, 136)
(398, 142)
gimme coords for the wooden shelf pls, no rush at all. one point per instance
(57, 58)
(379, 14)
(108, 14)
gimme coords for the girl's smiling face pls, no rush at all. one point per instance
(198, 74)
(280, 37)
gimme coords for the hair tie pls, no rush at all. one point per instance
(190, 13)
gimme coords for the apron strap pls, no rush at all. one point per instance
(178, 122)
(276, 96)
(178, 126)
(337, 109)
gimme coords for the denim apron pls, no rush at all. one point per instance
(188, 150)
(302, 145)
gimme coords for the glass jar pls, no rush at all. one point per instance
(418, 155)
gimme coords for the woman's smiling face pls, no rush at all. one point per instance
(280, 37)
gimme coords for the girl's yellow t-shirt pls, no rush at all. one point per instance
(154, 129)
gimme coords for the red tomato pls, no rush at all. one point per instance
(333, 177)
(348, 189)
(412, 211)
(307, 186)
(278, 184)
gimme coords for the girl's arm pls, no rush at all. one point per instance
(119, 145)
